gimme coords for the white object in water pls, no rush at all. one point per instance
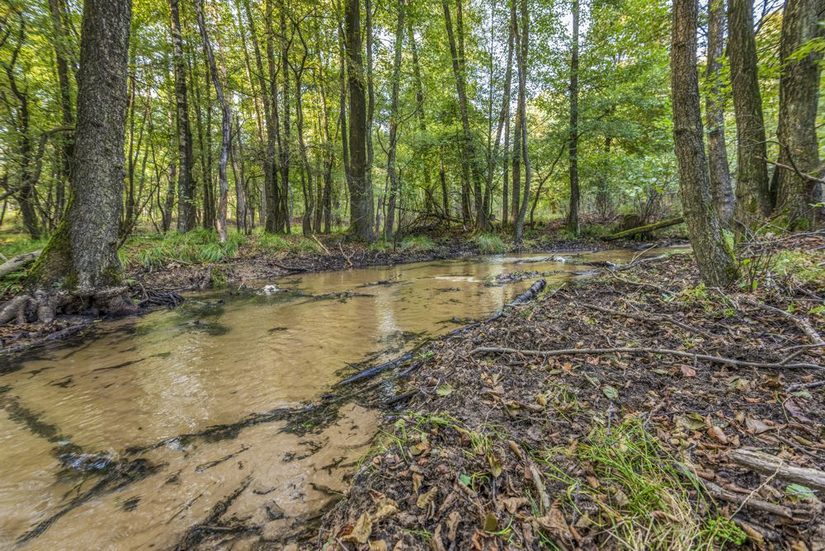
(559, 259)
(269, 289)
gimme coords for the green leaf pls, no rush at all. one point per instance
(799, 491)
(610, 392)
(464, 479)
(444, 390)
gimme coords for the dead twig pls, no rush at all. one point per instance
(637, 351)
(651, 318)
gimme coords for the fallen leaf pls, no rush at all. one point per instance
(610, 392)
(755, 426)
(718, 434)
(512, 504)
(444, 390)
(386, 507)
(691, 421)
(490, 522)
(795, 411)
(417, 479)
(555, 523)
(361, 531)
(687, 371)
(495, 464)
(452, 525)
(378, 545)
(425, 499)
(800, 492)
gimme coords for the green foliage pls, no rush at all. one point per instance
(417, 243)
(806, 267)
(263, 242)
(195, 247)
(489, 243)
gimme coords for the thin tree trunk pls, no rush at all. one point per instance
(286, 157)
(798, 101)
(716, 263)
(752, 193)
(186, 193)
(573, 214)
(422, 119)
(57, 11)
(396, 84)
(522, 49)
(226, 121)
(503, 125)
(720, 181)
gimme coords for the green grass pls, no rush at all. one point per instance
(489, 243)
(416, 243)
(645, 500)
(804, 266)
(14, 244)
(195, 247)
(269, 243)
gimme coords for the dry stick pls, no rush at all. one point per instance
(680, 353)
(347, 258)
(768, 464)
(315, 237)
(640, 317)
(802, 323)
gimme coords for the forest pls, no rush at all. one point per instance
(558, 264)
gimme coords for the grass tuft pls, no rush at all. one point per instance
(194, 247)
(490, 244)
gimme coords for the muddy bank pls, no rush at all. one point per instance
(704, 429)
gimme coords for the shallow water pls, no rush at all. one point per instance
(93, 436)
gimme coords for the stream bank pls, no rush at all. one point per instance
(704, 429)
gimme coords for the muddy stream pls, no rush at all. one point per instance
(193, 419)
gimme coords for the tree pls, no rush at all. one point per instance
(752, 193)
(573, 144)
(226, 124)
(720, 181)
(798, 164)
(361, 207)
(82, 253)
(713, 256)
(522, 50)
(392, 173)
(186, 187)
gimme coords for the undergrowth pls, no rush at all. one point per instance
(644, 500)
(194, 247)
(489, 243)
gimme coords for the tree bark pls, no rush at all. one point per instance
(361, 205)
(226, 122)
(82, 252)
(798, 101)
(752, 194)
(522, 45)
(721, 186)
(286, 157)
(714, 258)
(57, 10)
(573, 152)
(392, 174)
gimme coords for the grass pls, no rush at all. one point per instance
(412, 243)
(195, 247)
(644, 499)
(263, 242)
(489, 243)
(804, 266)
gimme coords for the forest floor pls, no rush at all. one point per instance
(499, 441)
(158, 267)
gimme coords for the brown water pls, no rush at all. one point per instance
(74, 421)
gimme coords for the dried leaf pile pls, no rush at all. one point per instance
(706, 429)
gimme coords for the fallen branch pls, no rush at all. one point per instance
(289, 268)
(347, 258)
(802, 323)
(768, 464)
(18, 263)
(645, 229)
(665, 351)
(315, 237)
(652, 318)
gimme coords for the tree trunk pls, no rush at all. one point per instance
(361, 205)
(467, 156)
(186, 192)
(286, 157)
(798, 101)
(573, 152)
(82, 252)
(424, 153)
(392, 174)
(522, 45)
(720, 182)
(715, 259)
(752, 194)
(62, 55)
(226, 121)
(503, 125)
(275, 221)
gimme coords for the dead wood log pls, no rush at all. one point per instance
(645, 229)
(773, 466)
(638, 351)
(530, 293)
(18, 263)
